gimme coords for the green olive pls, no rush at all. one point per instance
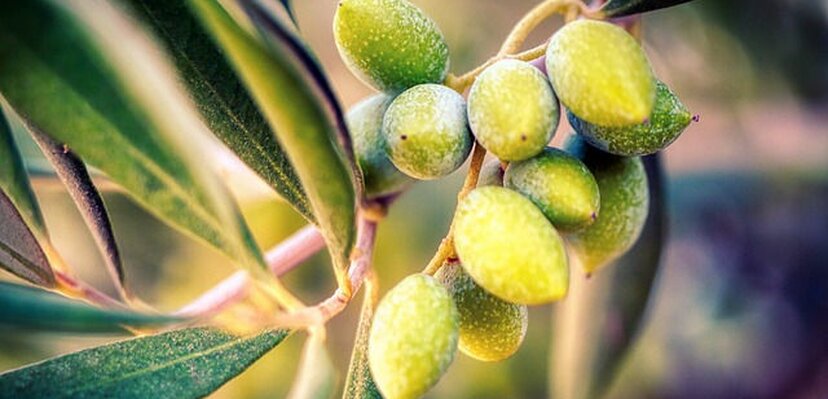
(600, 73)
(624, 206)
(390, 44)
(365, 126)
(560, 185)
(513, 111)
(413, 338)
(426, 131)
(491, 329)
(509, 248)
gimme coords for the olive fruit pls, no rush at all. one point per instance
(601, 73)
(491, 174)
(365, 126)
(509, 248)
(669, 118)
(513, 111)
(490, 329)
(426, 131)
(390, 44)
(560, 185)
(624, 204)
(413, 338)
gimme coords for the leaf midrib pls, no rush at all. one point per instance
(298, 194)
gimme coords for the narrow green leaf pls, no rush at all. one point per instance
(621, 8)
(316, 376)
(29, 308)
(20, 252)
(221, 97)
(83, 73)
(359, 384)
(72, 172)
(297, 101)
(288, 4)
(596, 326)
(13, 179)
(189, 363)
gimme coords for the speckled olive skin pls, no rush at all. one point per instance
(669, 119)
(560, 185)
(390, 44)
(491, 174)
(624, 204)
(426, 131)
(490, 329)
(509, 248)
(365, 126)
(600, 73)
(513, 111)
(413, 338)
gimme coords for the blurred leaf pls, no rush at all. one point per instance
(620, 8)
(316, 376)
(359, 384)
(13, 178)
(72, 172)
(189, 363)
(85, 75)
(221, 97)
(297, 101)
(29, 308)
(20, 252)
(596, 325)
(289, 9)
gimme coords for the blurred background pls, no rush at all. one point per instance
(740, 306)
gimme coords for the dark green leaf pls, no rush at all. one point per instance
(620, 8)
(181, 364)
(222, 99)
(72, 172)
(316, 376)
(598, 322)
(29, 308)
(86, 75)
(13, 179)
(297, 101)
(359, 384)
(20, 252)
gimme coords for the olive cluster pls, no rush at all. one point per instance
(510, 231)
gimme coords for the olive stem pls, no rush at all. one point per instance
(535, 17)
(75, 288)
(281, 259)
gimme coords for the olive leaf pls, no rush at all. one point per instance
(188, 363)
(596, 326)
(317, 376)
(84, 74)
(621, 8)
(29, 308)
(359, 384)
(221, 97)
(288, 4)
(72, 172)
(300, 106)
(20, 252)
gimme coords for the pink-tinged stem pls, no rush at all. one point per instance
(280, 260)
(358, 270)
(78, 288)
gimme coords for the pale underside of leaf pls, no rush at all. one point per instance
(189, 363)
(20, 252)
(221, 98)
(32, 309)
(596, 326)
(72, 172)
(296, 100)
